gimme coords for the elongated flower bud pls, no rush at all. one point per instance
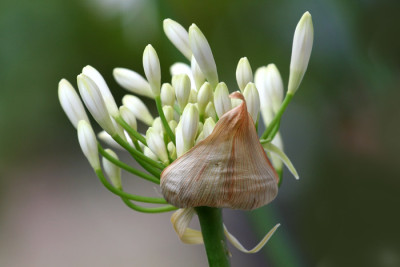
(113, 171)
(151, 66)
(98, 79)
(88, 143)
(128, 117)
(222, 102)
(301, 51)
(94, 101)
(252, 100)
(157, 145)
(204, 96)
(148, 153)
(173, 124)
(133, 82)
(181, 83)
(182, 68)
(71, 103)
(158, 126)
(167, 95)
(169, 113)
(198, 75)
(210, 111)
(138, 108)
(171, 150)
(202, 52)
(187, 129)
(106, 138)
(178, 36)
(193, 96)
(244, 74)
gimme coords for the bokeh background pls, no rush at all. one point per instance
(341, 132)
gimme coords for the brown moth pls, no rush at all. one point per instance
(228, 169)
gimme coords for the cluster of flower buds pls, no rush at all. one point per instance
(203, 147)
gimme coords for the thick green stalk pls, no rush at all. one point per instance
(213, 236)
(278, 116)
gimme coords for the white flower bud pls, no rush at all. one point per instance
(96, 77)
(235, 102)
(198, 75)
(193, 96)
(148, 153)
(202, 52)
(274, 85)
(71, 103)
(167, 95)
(87, 141)
(276, 160)
(156, 144)
(138, 108)
(182, 68)
(210, 111)
(252, 101)
(128, 117)
(222, 101)
(151, 66)
(260, 79)
(301, 51)
(113, 171)
(181, 84)
(169, 113)
(204, 95)
(171, 150)
(178, 36)
(173, 124)
(158, 126)
(208, 127)
(106, 138)
(244, 74)
(133, 82)
(187, 129)
(94, 101)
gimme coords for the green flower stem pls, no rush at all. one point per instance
(278, 116)
(139, 155)
(164, 120)
(111, 188)
(127, 167)
(146, 209)
(213, 236)
(130, 130)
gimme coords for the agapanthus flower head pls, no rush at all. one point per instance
(203, 145)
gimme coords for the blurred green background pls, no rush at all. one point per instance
(341, 131)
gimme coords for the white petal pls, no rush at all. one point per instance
(178, 36)
(132, 81)
(180, 220)
(274, 149)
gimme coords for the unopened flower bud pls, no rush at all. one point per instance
(208, 127)
(244, 74)
(94, 101)
(158, 126)
(182, 68)
(193, 96)
(181, 84)
(171, 150)
(301, 51)
(274, 86)
(202, 52)
(187, 129)
(151, 66)
(168, 112)
(156, 144)
(113, 171)
(148, 153)
(98, 79)
(222, 101)
(235, 102)
(138, 108)
(252, 101)
(210, 111)
(106, 138)
(173, 124)
(133, 82)
(88, 143)
(128, 117)
(198, 75)
(204, 95)
(178, 36)
(71, 103)
(167, 95)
